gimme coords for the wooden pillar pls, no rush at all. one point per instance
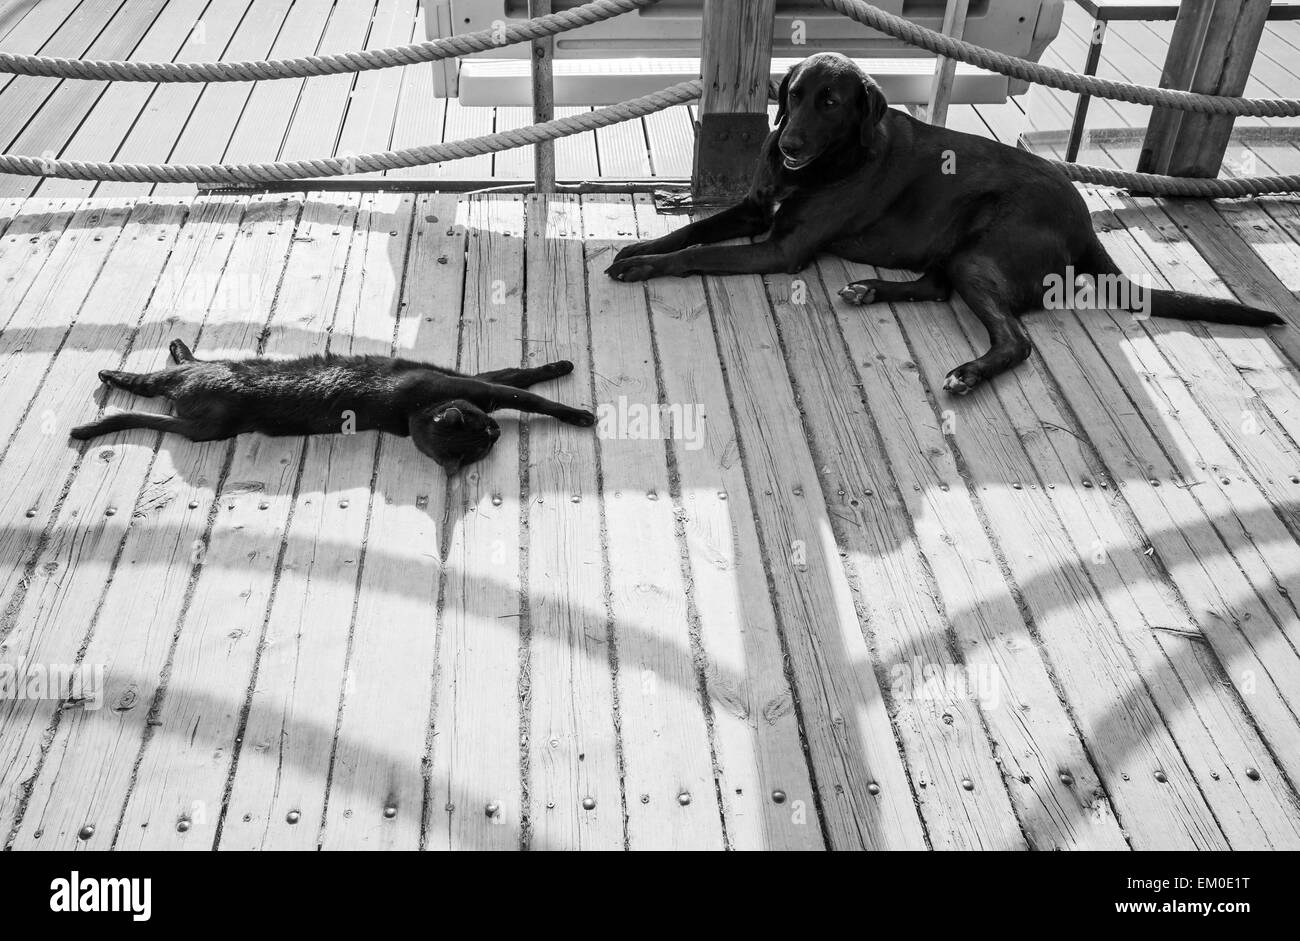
(945, 70)
(1211, 51)
(736, 65)
(543, 101)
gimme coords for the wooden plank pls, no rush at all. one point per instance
(1213, 732)
(55, 28)
(1154, 793)
(463, 122)
(667, 772)
(148, 126)
(622, 150)
(33, 233)
(264, 123)
(757, 748)
(671, 138)
(569, 694)
(185, 758)
(477, 798)
(24, 32)
(318, 118)
(27, 348)
(390, 684)
(291, 717)
(48, 617)
(372, 107)
(940, 725)
(865, 797)
(220, 106)
(420, 115)
(88, 120)
(35, 94)
(516, 163)
(132, 654)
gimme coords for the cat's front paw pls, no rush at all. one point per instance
(559, 368)
(636, 268)
(577, 416)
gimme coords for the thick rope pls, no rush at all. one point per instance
(1154, 184)
(365, 163)
(449, 48)
(948, 47)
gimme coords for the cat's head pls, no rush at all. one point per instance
(454, 433)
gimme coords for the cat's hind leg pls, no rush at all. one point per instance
(194, 429)
(523, 377)
(148, 384)
(180, 352)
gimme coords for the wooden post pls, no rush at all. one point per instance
(954, 25)
(543, 101)
(736, 65)
(1211, 51)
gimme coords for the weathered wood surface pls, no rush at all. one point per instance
(691, 636)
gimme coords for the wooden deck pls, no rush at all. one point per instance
(846, 610)
(396, 108)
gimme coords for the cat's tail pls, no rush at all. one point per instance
(180, 352)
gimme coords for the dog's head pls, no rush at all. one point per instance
(826, 102)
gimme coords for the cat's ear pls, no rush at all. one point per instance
(450, 416)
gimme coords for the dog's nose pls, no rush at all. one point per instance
(792, 146)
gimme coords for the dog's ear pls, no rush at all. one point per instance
(874, 106)
(781, 95)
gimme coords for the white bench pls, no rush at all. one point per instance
(641, 52)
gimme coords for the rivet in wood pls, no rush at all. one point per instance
(550, 805)
(1295, 479)
(645, 798)
(194, 504)
(873, 788)
(31, 513)
(293, 816)
(182, 825)
(449, 807)
(651, 495)
(683, 798)
(343, 504)
(496, 500)
(867, 493)
(1161, 777)
(1087, 483)
(1016, 486)
(1124, 775)
(1154, 482)
(263, 505)
(1252, 774)
(778, 797)
(722, 494)
(1225, 481)
(589, 803)
(492, 809)
(390, 812)
(1067, 779)
(575, 499)
(1214, 775)
(968, 784)
(111, 511)
(86, 832)
(798, 491)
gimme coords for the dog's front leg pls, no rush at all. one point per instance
(769, 257)
(748, 218)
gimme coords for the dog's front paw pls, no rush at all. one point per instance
(634, 250)
(962, 379)
(577, 416)
(636, 268)
(859, 293)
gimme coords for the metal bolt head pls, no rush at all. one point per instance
(1252, 774)
(683, 798)
(492, 809)
(1067, 779)
(968, 784)
(778, 797)
(390, 812)
(873, 788)
(1161, 777)
(589, 803)
(293, 816)
(182, 825)
(86, 832)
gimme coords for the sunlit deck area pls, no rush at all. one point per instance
(825, 605)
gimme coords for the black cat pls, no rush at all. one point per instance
(444, 412)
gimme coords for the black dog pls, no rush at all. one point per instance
(844, 173)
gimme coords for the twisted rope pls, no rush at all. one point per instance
(365, 163)
(1154, 184)
(962, 51)
(307, 66)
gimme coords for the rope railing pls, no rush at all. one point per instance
(962, 51)
(309, 66)
(553, 23)
(364, 163)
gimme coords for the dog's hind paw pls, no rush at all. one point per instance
(858, 293)
(961, 380)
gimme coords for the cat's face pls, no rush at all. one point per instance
(454, 433)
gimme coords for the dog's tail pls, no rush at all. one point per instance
(1174, 305)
